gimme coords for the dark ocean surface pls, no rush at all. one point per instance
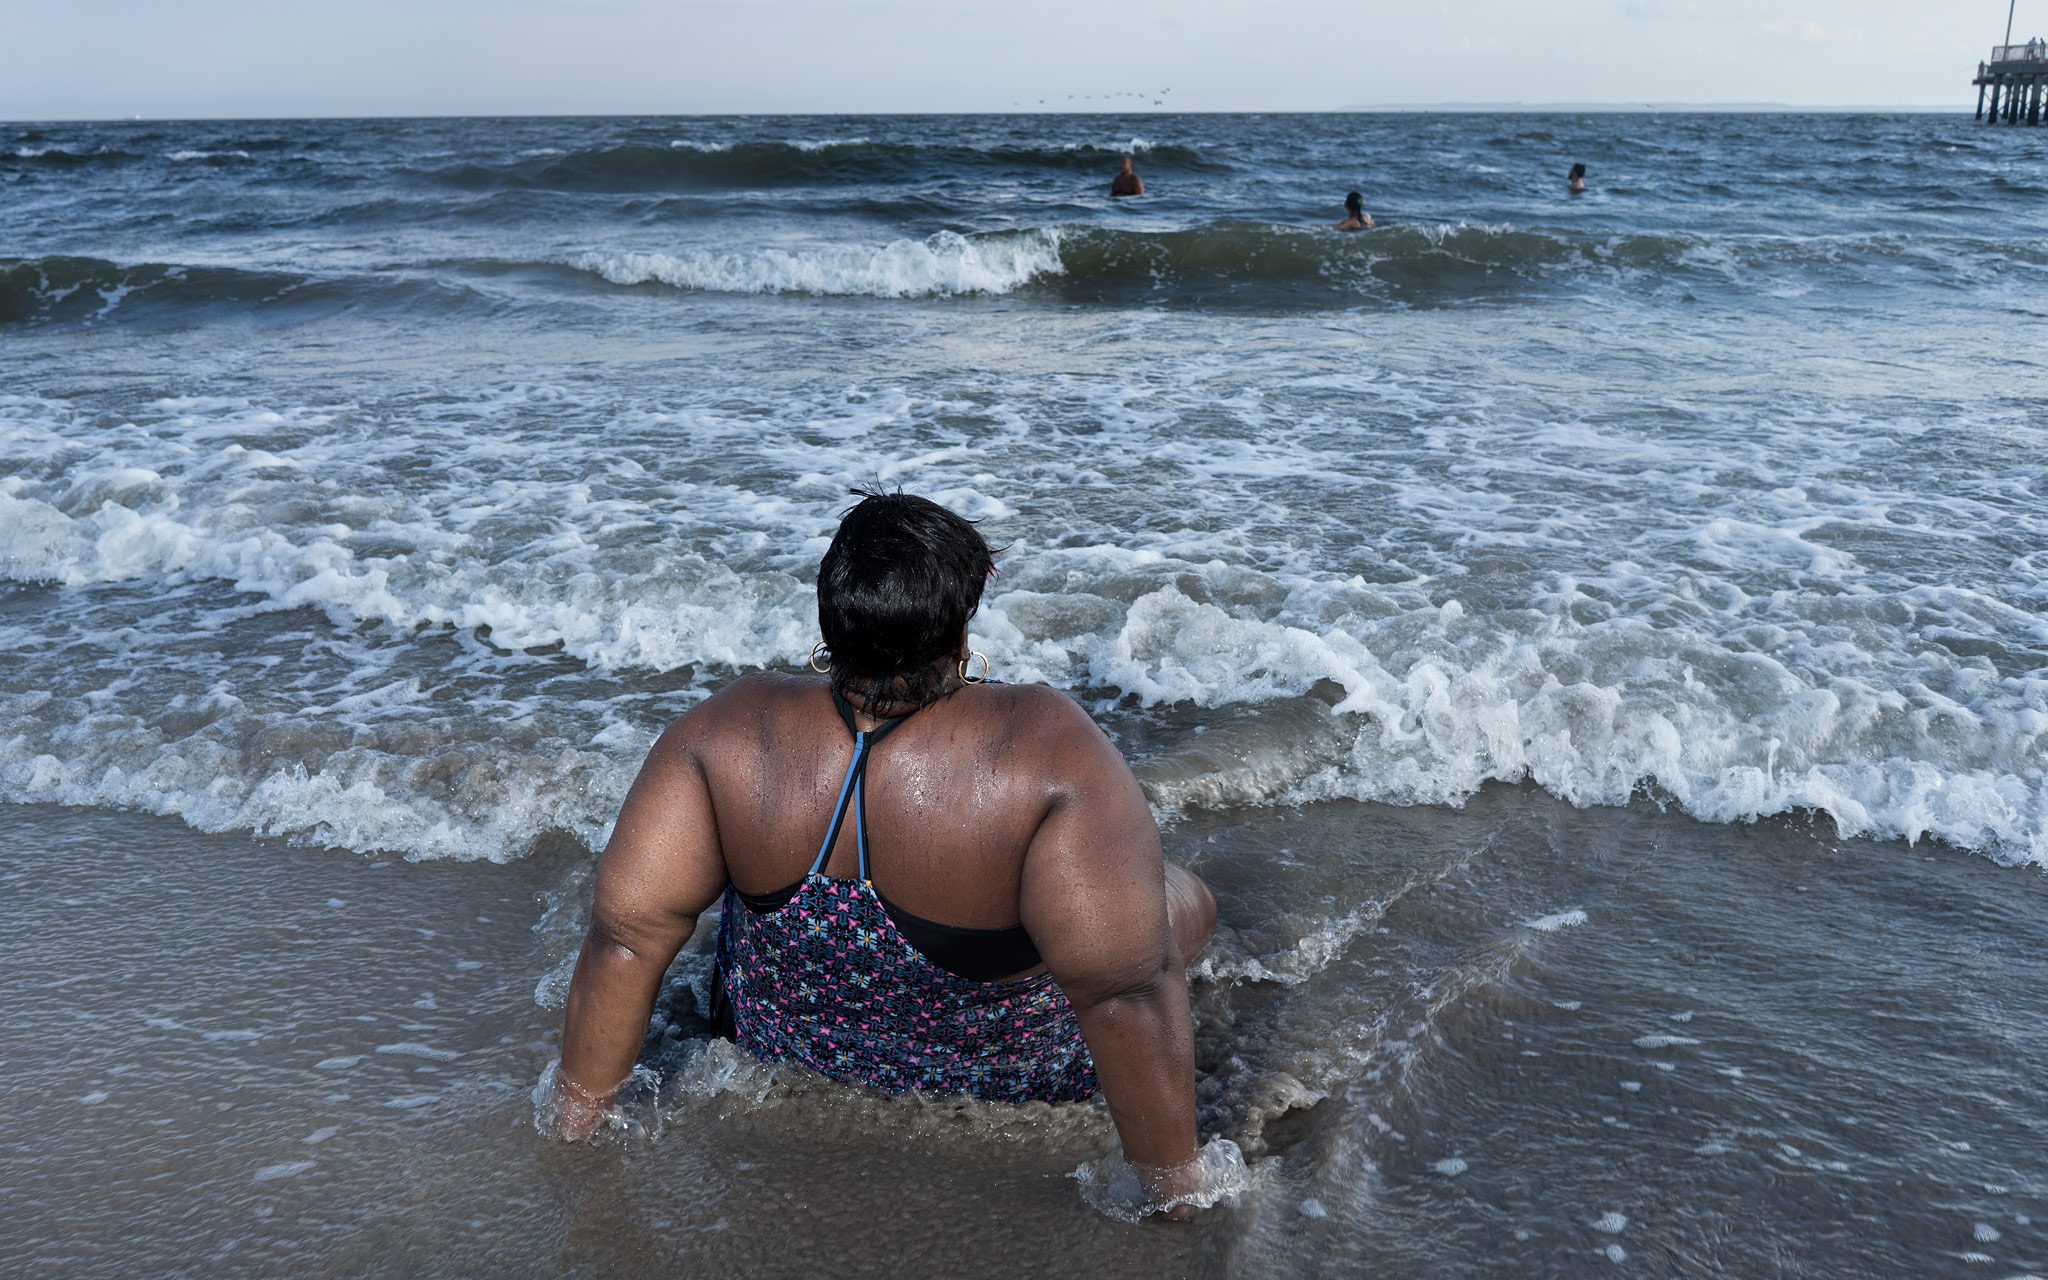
(1597, 646)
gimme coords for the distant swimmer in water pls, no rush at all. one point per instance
(994, 919)
(1355, 216)
(1578, 179)
(1126, 182)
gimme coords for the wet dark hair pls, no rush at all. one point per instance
(1578, 171)
(1354, 202)
(895, 590)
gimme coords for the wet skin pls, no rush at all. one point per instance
(994, 806)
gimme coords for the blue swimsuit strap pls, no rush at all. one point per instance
(979, 955)
(854, 786)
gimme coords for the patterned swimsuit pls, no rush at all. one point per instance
(828, 980)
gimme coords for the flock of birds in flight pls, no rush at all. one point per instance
(1139, 94)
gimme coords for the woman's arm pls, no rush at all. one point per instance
(660, 871)
(1094, 902)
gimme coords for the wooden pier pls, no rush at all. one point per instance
(2016, 81)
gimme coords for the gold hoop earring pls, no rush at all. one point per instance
(972, 654)
(825, 670)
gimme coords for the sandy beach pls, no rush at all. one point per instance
(1563, 1040)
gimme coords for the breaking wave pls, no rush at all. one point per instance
(941, 265)
(1287, 686)
(1287, 267)
(1223, 264)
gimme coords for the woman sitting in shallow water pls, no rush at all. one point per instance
(993, 917)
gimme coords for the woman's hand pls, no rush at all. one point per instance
(574, 1113)
(1171, 1186)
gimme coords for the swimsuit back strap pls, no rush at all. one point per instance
(860, 822)
(853, 771)
(855, 786)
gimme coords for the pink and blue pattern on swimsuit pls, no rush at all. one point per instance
(828, 981)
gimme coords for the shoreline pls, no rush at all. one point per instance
(1430, 1053)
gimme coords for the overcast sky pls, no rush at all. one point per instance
(73, 59)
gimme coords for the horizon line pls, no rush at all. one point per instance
(1368, 108)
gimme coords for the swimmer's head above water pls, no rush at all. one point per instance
(1355, 216)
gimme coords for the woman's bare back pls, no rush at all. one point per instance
(954, 794)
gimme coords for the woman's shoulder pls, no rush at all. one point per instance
(771, 702)
(748, 701)
(1041, 699)
(752, 692)
(1040, 714)
(767, 686)
(1050, 745)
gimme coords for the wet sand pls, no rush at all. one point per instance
(1514, 1036)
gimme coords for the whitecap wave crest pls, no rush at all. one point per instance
(941, 265)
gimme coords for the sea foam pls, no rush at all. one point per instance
(942, 264)
(1874, 705)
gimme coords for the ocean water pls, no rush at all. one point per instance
(1611, 626)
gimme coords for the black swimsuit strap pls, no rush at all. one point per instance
(855, 787)
(876, 734)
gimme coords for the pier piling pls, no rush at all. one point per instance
(2013, 83)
